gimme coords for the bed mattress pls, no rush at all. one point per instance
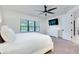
(27, 43)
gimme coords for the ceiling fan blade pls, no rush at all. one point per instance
(45, 8)
(52, 9)
(50, 12)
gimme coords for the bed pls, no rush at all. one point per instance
(25, 43)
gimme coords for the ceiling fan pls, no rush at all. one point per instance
(45, 11)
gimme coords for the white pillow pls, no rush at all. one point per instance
(7, 34)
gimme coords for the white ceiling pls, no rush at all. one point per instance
(33, 9)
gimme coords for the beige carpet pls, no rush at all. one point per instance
(62, 46)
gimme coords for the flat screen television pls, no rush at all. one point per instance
(53, 22)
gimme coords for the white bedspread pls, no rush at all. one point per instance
(26, 43)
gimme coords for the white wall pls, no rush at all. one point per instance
(12, 19)
(53, 30)
(64, 28)
(67, 26)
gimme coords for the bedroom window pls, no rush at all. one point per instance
(24, 26)
(37, 26)
(29, 26)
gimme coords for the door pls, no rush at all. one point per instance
(66, 27)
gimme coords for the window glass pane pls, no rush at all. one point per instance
(31, 28)
(24, 22)
(37, 23)
(23, 25)
(24, 29)
(31, 23)
(37, 26)
(37, 29)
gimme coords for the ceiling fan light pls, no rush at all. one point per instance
(45, 14)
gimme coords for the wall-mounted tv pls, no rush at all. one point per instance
(53, 22)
